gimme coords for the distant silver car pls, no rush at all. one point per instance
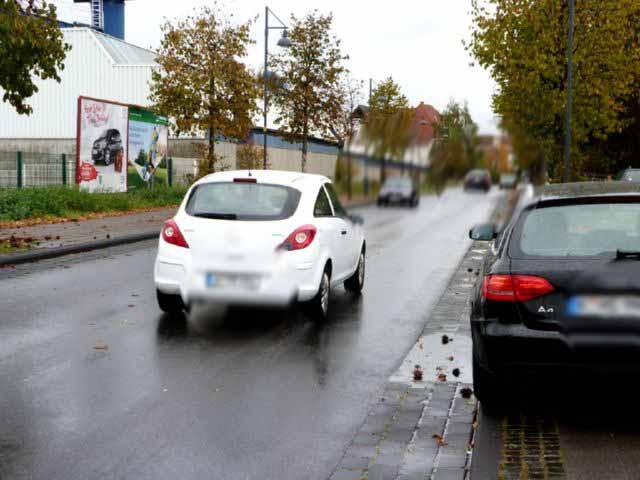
(399, 190)
(508, 181)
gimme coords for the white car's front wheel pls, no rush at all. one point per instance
(355, 282)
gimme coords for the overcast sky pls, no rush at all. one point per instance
(418, 42)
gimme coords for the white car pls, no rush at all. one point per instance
(259, 238)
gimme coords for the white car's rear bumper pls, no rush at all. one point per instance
(294, 277)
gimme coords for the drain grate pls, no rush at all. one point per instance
(530, 449)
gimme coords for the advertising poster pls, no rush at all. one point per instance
(101, 145)
(148, 141)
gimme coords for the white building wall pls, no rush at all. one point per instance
(89, 71)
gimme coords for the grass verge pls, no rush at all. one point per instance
(60, 202)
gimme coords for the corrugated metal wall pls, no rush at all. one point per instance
(88, 71)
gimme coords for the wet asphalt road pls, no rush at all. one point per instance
(245, 395)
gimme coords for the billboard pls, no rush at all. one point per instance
(148, 142)
(102, 145)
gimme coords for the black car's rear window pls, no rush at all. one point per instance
(243, 201)
(577, 230)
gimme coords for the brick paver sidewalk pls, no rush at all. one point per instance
(76, 232)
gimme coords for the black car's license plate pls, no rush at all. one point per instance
(598, 306)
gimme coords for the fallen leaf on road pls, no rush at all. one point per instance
(440, 440)
(417, 373)
(101, 347)
(442, 377)
(135, 295)
(466, 392)
(456, 372)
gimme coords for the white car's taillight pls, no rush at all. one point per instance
(172, 234)
(300, 238)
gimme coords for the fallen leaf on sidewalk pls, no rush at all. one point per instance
(456, 372)
(450, 359)
(446, 339)
(101, 347)
(442, 377)
(466, 392)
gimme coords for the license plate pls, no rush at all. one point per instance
(611, 306)
(231, 280)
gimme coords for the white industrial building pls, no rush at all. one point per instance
(99, 66)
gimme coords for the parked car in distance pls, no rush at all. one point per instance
(517, 310)
(399, 190)
(478, 179)
(629, 175)
(508, 181)
(262, 237)
(107, 147)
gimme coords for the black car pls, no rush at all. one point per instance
(107, 147)
(399, 190)
(554, 248)
(478, 179)
(629, 175)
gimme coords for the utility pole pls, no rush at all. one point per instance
(567, 144)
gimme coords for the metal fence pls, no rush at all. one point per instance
(28, 169)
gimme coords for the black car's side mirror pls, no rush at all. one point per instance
(484, 232)
(357, 219)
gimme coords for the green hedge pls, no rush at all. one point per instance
(51, 202)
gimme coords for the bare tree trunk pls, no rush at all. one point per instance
(305, 145)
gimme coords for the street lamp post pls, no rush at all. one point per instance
(567, 144)
(284, 41)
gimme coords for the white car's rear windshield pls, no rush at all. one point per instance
(243, 201)
(583, 230)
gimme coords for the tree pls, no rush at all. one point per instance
(201, 84)
(455, 151)
(387, 98)
(31, 45)
(346, 126)
(249, 156)
(388, 124)
(523, 44)
(310, 96)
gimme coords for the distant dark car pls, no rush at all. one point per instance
(478, 180)
(508, 181)
(630, 175)
(558, 250)
(399, 190)
(107, 147)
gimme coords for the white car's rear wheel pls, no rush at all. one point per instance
(171, 304)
